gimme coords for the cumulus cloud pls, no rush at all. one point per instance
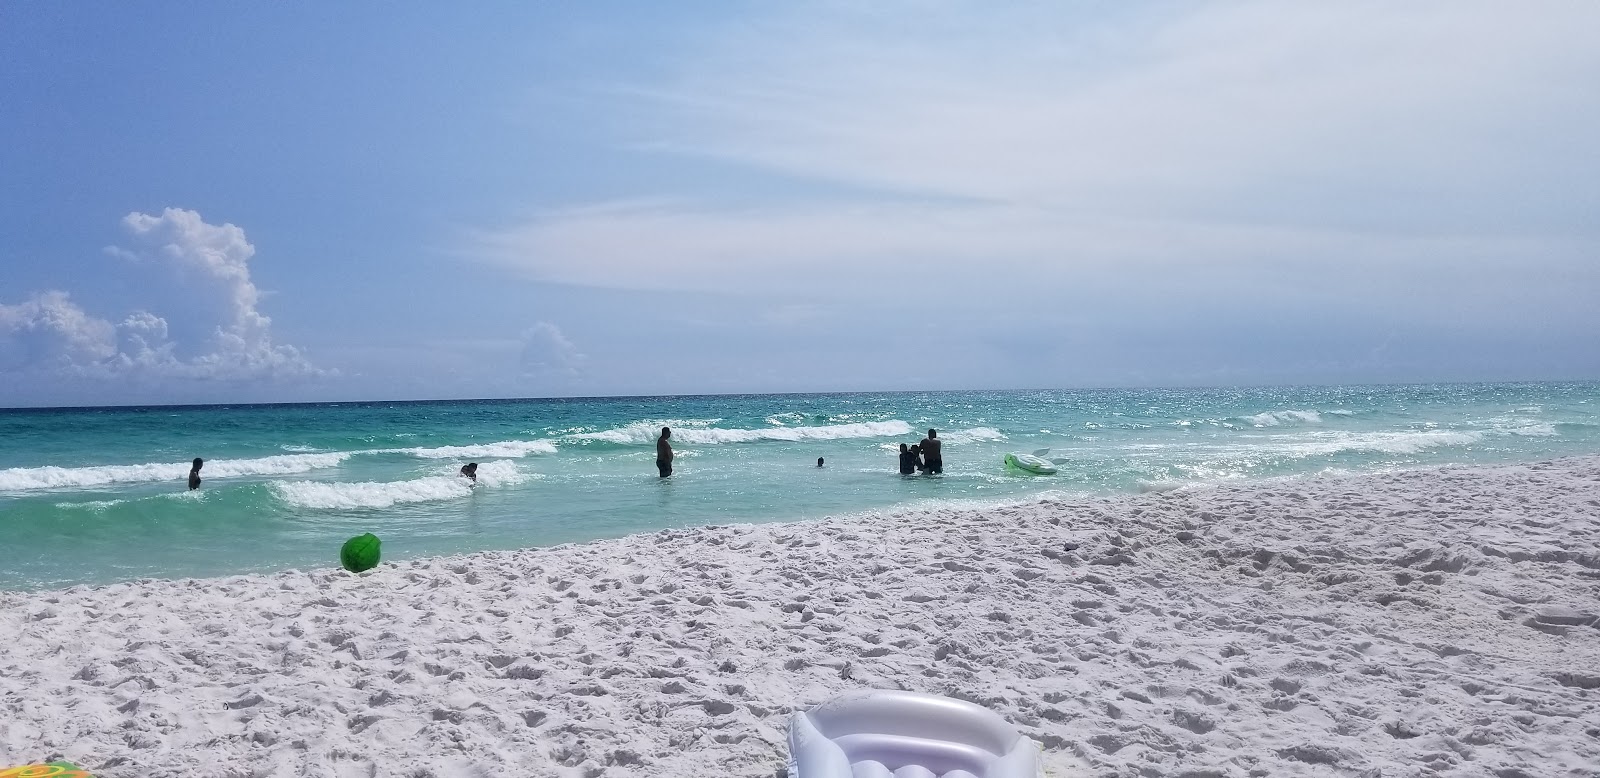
(961, 138)
(50, 331)
(220, 334)
(546, 352)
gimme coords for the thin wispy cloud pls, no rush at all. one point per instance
(548, 354)
(1029, 138)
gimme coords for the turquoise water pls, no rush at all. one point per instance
(98, 495)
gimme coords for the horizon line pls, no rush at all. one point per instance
(700, 395)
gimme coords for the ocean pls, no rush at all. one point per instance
(98, 495)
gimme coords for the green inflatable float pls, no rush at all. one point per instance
(1029, 463)
(51, 770)
(360, 553)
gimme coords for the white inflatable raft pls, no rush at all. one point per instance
(893, 734)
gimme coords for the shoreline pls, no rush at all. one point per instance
(912, 507)
(1438, 616)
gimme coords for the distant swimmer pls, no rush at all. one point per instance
(932, 457)
(470, 470)
(908, 460)
(664, 453)
(194, 474)
(819, 461)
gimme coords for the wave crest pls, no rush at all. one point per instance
(1275, 418)
(506, 449)
(336, 495)
(642, 433)
(1383, 442)
(21, 479)
(973, 435)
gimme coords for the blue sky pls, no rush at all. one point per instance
(297, 201)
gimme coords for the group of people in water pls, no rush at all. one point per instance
(924, 456)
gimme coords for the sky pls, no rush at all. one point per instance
(295, 201)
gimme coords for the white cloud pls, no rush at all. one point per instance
(51, 335)
(546, 352)
(970, 143)
(49, 330)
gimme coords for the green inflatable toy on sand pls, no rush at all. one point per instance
(51, 770)
(360, 553)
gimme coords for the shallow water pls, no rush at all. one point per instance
(97, 495)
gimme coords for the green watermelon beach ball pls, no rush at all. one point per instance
(360, 553)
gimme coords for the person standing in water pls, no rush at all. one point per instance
(819, 461)
(932, 457)
(470, 470)
(908, 460)
(194, 474)
(664, 453)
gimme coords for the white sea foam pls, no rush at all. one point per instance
(1507, 425)
(1323, 444)
(509, 449)
(1275, 418)
(91, 505)
(645, 432)
(387, 494)
(319, 494)
(20, 479)
(1535, 430)
(972, 435)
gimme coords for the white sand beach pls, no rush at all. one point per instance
(1432, 622)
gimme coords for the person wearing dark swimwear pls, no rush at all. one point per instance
(470, 470)
(194, 474)
(664, 453)
(908, 460)
(819, 461)
(932, 457)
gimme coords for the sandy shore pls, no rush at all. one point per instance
(1421, 623)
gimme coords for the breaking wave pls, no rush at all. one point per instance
(507, 449)
(974, 434)
(642, 433)
(387, 494)
(1380, 442)
(1275, 418)
(20, 479)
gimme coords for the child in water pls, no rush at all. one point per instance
(194, 474)
(470, 470)
(908, 460)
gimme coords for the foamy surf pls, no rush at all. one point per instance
(504, 449)
(1324, 444)
(973, 435)
(100, 506)
(21, 479)
(645, 432)
(334, 495)
(1276, 418)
